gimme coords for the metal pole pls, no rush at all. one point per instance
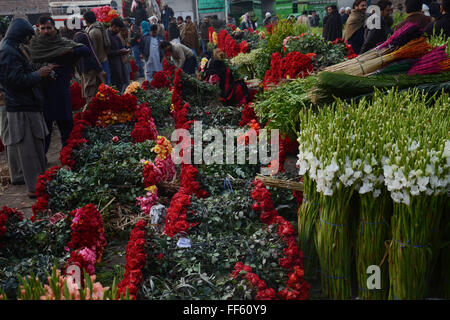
(226, 11)
(197, 16)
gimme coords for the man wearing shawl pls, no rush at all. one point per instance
(332, 25)
(190, 38)
(97, 33)
(90, 68)
(354, 29)
(23, 129)
(150, 50)
(48, 46)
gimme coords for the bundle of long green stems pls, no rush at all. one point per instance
(307, 217)
(411, 251)
(374, 230)
(333, 242)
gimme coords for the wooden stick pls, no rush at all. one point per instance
(278, 183)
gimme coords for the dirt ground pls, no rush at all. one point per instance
(16, 196)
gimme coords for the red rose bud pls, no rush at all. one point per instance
(115, 139)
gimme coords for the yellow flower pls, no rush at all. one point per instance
(132, 87)
(157, 149)
(151, 189)
(215, 38)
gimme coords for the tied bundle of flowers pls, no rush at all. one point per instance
(105, 14)
(163, 148)
(160, 80)
(274, 74)
(262, 291)
(132, 87)
(328, 154)
(87, 230)
(296, 65)
(247, 63)
(145, 128)
(248, 114)
(75, 140)
(76, 98)
(83, 258)
(431, 62)
(8, 215)
(41, 191)
(416, 170)
(135, 262)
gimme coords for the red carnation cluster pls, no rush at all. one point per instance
(169, 69)
(84, 259)
(76, 96)
(246, 273)
(135, 261)
(227, 44)
(41, 191)
(160, 80)
(75, 140)
(296, 286)
(180, 108)
(350, 52)
(152, 174)
(145, 85)
(177, 212)
(108, 99)
(248, 114)
(87, 230)
(8, 214)
(293, 65)
(145, 128)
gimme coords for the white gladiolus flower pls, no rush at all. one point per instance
(366, 187)
(376, 193)
(367, 169)
(415, 190)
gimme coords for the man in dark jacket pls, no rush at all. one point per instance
(50, 47)
(374, 36)
(166, 13)
(118, 76)
(25, 129)
(443, 23)
(204, 33)
(332, 24)
(174, 32)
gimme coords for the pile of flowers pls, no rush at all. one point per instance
(76, 97)
(105, 14)
(293, 65)
(227, 44)
(135, 261)
(8, 214)
(145, 128)
(41, 191)
(87, 237)
(160, 80)
(75, 140)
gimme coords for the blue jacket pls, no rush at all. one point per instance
(19, 78)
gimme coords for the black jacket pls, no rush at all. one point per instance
(373, 37)
(442, 24)
(20, 80)
(332, 26)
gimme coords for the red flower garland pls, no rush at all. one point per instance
(135, 261)
(297, 287)
(41, 191)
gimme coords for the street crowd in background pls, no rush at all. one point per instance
(37, 63)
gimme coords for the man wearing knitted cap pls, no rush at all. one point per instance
(24, 129)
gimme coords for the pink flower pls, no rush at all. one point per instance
(115, 139)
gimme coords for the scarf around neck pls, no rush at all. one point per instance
(44, 49)
(355, 21)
